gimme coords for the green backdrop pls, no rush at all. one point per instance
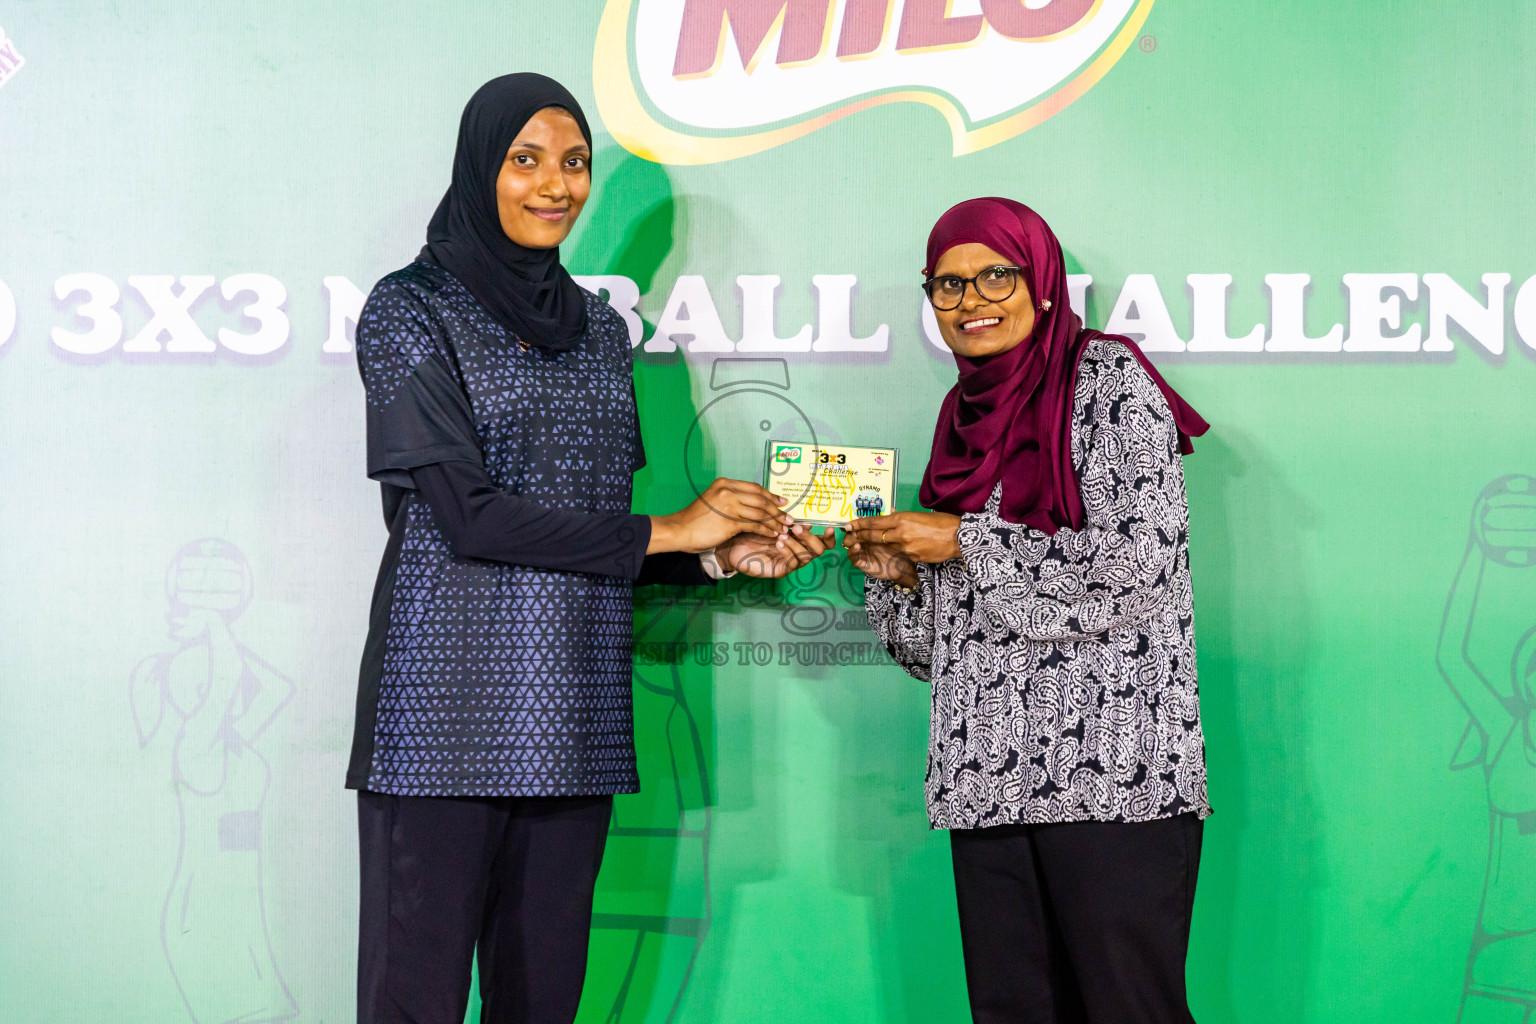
(177, 843)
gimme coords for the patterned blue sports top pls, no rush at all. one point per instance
(483, 678)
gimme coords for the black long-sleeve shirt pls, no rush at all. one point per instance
(480, 520)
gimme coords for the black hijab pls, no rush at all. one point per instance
(526, 290)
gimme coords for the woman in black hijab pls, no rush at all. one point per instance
(494, 720)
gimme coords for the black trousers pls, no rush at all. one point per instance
(1078, 922)
(446, 881)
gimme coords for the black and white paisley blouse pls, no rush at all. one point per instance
(1063, 667)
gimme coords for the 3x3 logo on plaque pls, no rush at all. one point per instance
(700, 81)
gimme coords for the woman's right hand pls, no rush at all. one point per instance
(882, 561)
(727, 507)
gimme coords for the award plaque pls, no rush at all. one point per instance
(829, 484)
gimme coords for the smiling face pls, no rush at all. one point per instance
(979, 326)
(544, 181)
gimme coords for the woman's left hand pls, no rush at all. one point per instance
(758, 556)
(920, 536)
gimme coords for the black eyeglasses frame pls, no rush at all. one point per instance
(971, 281)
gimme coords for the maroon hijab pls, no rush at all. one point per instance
(1010, 416)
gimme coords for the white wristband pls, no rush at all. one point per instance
(711, 566)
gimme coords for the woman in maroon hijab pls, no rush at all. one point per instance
(1047, 598)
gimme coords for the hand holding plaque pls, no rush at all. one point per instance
(890, 547)
(758, 556)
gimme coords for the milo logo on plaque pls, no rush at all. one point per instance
(699, 81)
(785, 453)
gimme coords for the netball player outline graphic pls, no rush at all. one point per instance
(210, 701)
(1487, 655)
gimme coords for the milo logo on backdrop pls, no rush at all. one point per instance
(698, 81)
(10, 60)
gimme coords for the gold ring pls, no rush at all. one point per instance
(883, 533)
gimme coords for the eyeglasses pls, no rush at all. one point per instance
(993, 284)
